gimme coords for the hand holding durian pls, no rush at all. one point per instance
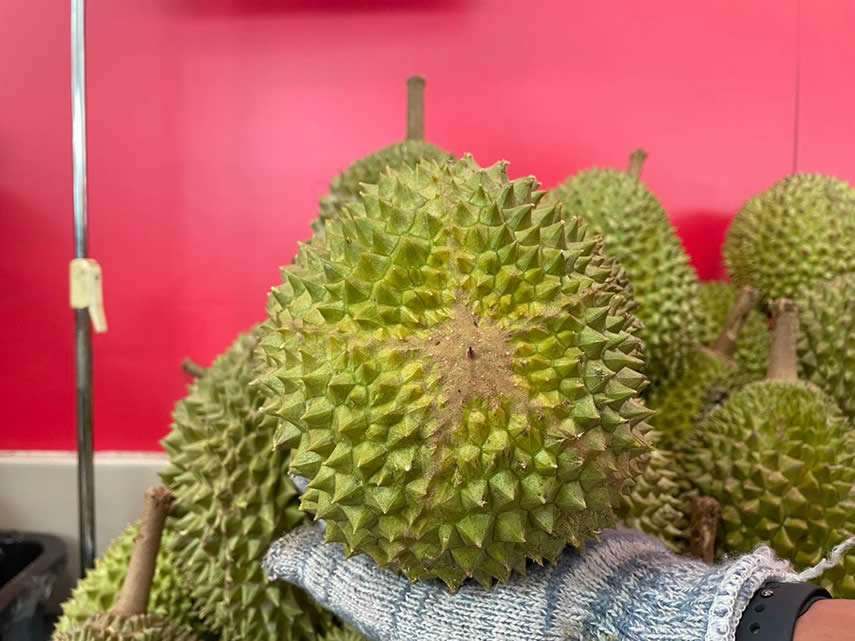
(465, 371)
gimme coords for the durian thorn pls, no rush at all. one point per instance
(193, 368)
(725, 343)
(133, 598)
(636, 162)
(783, 365)
(415, 108)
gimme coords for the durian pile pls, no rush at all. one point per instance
(464, 374)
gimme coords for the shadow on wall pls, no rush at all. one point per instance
(216, 8)
(702, 233)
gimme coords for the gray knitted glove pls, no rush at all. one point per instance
(627, 587)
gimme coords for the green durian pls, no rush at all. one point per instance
(234, 501)
(826, 342)
(779, 456)
(710, 375)
(104, 626)
(458, 374)
(793, 234)
(636, 231)
(752, 348)
(660, 500)
(346, 186)
(343, 633)
(99, 589)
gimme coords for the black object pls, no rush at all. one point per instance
(29, 566)
(772, 612)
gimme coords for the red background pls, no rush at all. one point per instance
(214, 126)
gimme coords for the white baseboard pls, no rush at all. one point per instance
(38, 493)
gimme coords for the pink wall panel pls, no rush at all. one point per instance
(214, 126)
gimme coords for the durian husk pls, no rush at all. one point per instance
(105, 626)
(407, 353)
(794, 234)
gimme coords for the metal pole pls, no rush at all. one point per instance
(82, 328)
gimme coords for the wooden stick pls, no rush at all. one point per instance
(415, 108)
(193, 368)
(133, 598)
(636, 162)
(783, 365)
(704, 526)
(725, 344)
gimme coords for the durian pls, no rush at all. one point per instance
(778, 456)
(343, 633)
(752, 348)
(637, 232)
(458, 375)
(99, 589)
(709, 377)
(826, 342)
(127, 619)
(796, 232)
(234, 501)
(346, 186)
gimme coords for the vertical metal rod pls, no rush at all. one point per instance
(82, 328)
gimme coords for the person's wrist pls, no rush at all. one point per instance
(827, 620)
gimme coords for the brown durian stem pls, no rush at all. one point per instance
(704, 526)
(133, 599)
(782, 355)
(636, 162)
(725, 344)
(415, 108)
(192, 367)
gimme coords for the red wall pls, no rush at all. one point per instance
(214, 126)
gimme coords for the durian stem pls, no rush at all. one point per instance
(783, 365)
(192, 367)
(133, 598)
(415, 108)
(636, 162)
(704, 526)
(725, 344)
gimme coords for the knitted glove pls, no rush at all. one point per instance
(627, 587)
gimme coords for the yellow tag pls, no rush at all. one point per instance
(87, 292)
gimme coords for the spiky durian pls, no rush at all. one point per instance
(826, 342)
(778, 456)
(346, 187)
(343, 633)
(104, 626)
(234, 501)
(796, 232)
(458, 375)
(709, 377)
(638, 233)
(752, 348)
(99, 589)
(659, 502)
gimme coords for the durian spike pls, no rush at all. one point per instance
(636, 162)
(782, 355)
(725, 343)
(192, 367)
(133, 599)
(415, 108)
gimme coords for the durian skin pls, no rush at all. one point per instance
(344, 633)
(103, 626)
(752, 347)
(347, 185)
(99, 589)
(659, 502)
(234, 501)
(793, 234)
(826, 339)
(434, 481)
(637, 232)
(778, 456)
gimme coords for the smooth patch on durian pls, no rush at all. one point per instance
(636, 231)
(458, 375)
(779, 456)
(793, 234)
(234, 501)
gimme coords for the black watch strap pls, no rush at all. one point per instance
(772, 612)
